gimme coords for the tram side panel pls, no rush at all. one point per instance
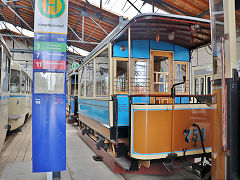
(20, 97)
(4, 93)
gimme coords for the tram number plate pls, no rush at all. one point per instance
(194, 135)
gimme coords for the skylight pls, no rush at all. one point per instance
(124, 8)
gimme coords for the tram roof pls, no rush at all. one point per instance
(190, 32)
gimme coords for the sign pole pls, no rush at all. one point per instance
(49, 87)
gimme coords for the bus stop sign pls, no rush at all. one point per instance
(75, 65)
(49, 87)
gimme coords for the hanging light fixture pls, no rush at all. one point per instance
(171, 36)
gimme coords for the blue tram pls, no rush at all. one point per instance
(134, 102)
(72, 96)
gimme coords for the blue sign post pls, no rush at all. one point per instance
(49, 87)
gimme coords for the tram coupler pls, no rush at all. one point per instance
(101, 143)
(85, 130)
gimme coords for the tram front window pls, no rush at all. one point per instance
(23, 83)
(122, 76)
(15, 81)
(161, 74)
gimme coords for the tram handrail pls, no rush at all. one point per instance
(167, 99)
(167, 95)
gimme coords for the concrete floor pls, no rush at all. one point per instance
(80, 166)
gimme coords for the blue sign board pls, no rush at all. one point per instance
(49, 86)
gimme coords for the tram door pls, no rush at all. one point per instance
(161, 73)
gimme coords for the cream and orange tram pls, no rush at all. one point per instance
(134, 101)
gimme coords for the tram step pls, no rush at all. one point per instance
(124, 163)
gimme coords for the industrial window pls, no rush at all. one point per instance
(89, 79)
(196, 86)
(121, 76)
(15, 81)
(81, 81)
(140, 81)
(23, 82)
(49, 82)
(102, 73)
(202, 86)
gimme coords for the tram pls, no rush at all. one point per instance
(134, 102)
(72, 96)
(20, 97)
(5, 58)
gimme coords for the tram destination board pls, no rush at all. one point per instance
(49, 74)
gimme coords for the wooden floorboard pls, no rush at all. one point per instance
(18, 146)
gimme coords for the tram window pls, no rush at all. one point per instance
(5, 68)
(121, 76)
(72, 85)
(15, 81)
(82, 81)
(202, 86)
(30, 87)
(209, 85)
(8, 65)
(67, 87)
(89, 79)
(141, 84)
(181, 70)
(196, 86)
(102, 75)
(27, 86)
(49, 83)
(161, 74)
(23, 83)
(76, 85)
